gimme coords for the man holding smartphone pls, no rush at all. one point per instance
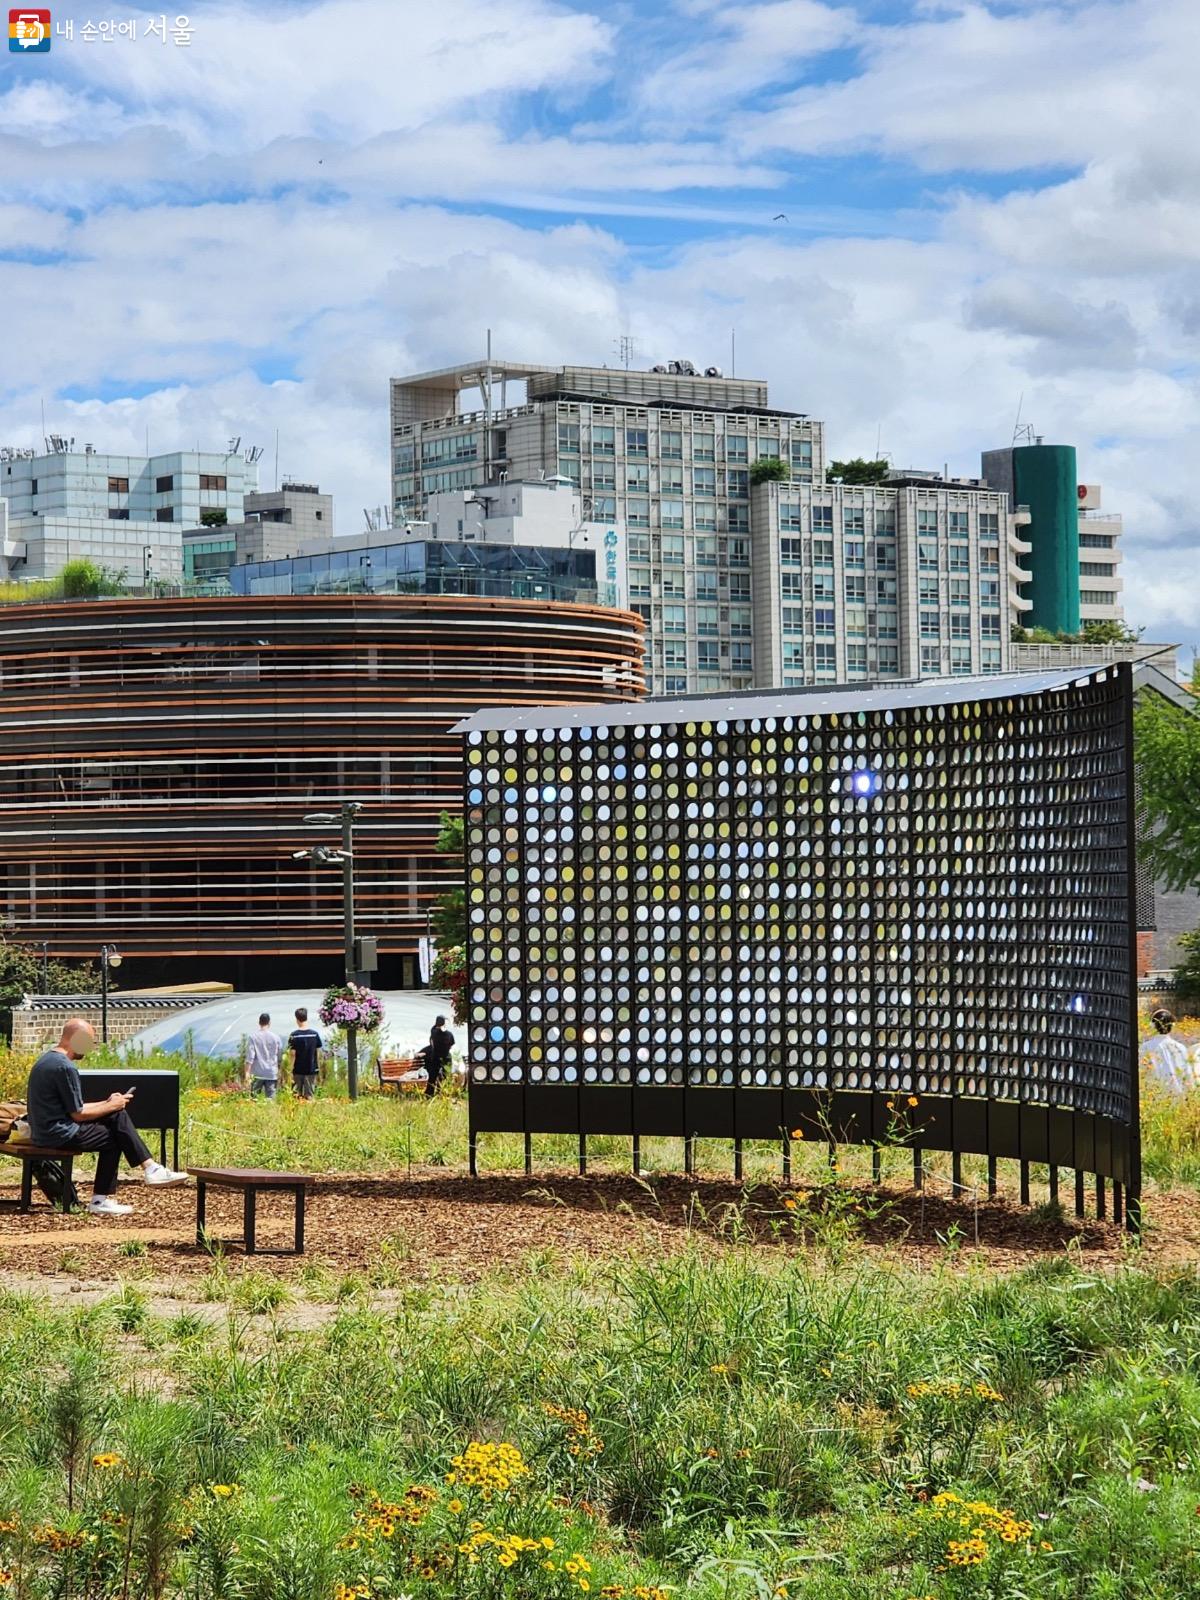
(59, 1117)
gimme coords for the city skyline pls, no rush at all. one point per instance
(965, 226)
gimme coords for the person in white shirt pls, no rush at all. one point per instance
(264, 1050)
(1165, 1061)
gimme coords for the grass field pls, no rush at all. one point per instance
(729, 1421)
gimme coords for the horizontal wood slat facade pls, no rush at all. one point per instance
(157, 758)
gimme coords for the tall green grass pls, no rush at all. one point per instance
(719, 1428)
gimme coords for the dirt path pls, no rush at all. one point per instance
(436, 1226)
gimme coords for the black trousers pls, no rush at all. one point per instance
(436, 1071)
(111, 1138)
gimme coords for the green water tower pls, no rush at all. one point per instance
(1044, 478)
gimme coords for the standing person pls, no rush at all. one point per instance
(437, 1054)
(1165, 1060)
(264, 1051)
(59, 1117)
(304, 1043)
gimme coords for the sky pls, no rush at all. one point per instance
(991, 214)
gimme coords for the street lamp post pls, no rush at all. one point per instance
(324, 856)
(45, 966)
(109, 958)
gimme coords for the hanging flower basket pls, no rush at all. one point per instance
(350, 1005)
(450, 976)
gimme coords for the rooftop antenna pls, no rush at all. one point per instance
(878, 441)
(1017, 423)
(626, 349)
(487, 413)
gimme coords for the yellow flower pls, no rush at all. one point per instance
(107, 1458)
(223, 1491)
(719, 1367)
(789, 1204)
(912, 1099)
(797, 1133)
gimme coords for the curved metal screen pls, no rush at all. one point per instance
(756, 915)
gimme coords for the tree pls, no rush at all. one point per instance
(1109, 633)
(21, 973)
(859, 471)
(450, 917)
(1167, 755)
(214, 519)
(770, 469)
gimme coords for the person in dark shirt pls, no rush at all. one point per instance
(437, 1054)
(304, 1043)
(60, 1118)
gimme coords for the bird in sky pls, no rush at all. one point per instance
(780, 216)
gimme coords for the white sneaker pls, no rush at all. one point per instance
(103, 1205)
(158, 1175)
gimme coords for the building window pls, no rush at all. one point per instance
(670, 444)
(674, 685)
(706, 552)
(604, 441)
(704, 480)
(165, 484)
(675, 655)
(639, 547)
(885, 521)
(604, 507)
(989, 625)
(637, 477)
(822, 585)
(889, 660)
(885, 590)
(706, 585)
(739, 484)
(1088, 541)
(856, 589)
(739, 622)
(639, 582)
(989, 591)
(568, 467)
(823, 553)
(741, 656)
(768, 447)
(793, 655)
(212, 480)
(118, 486)
(960, 524)
(671, 514)
(822, 519)
(637, 442)
(927, 555)
(737, 447)
(856, 660)
(604, 475)
(854, 555)
(674, 586)
(931, 658)
(790, 515)
(674, 619)
(989, 560)
(887, 624)
(825, 658)
(708, 655)
(791, 586)
(960, 558)
(637, 513)
(960, 591)
(708, 619)
(791, 552)
(960, 624)
(885, 556)
(670, 480)
(119, 516)
(704, 513)
(568, 438)
(930, 625)
(927, 522)
(856, 622)
(960, 660)
(989, 524)
(1095, 569)
(672, 548)
(802, 454)
(853, 519)
(824, 621)
(1097, 597)
(990, 657)
(739, 586)
(793, 619)
(165, 514)
(704, 447)
(927, 591)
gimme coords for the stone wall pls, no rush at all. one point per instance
(39, 1019)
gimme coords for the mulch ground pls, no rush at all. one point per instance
(452, 1227)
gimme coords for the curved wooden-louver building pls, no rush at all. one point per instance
(157, 758)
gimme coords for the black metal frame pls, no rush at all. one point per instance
(746, 919)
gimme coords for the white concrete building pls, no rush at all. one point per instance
(1100, 582)
(126, 513)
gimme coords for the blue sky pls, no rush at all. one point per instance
(988, 205)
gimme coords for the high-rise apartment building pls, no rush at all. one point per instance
(748, 565)
(125, 512)
(1100, 583)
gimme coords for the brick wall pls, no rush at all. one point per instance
(1145, 954)
(35, 1026)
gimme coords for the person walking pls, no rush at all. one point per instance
(264, 1051)
(1165, 1061)
(437, 1055)
(60, 1117)
(304, 1043)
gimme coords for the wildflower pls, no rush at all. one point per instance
(612, 1591)
(891, 1105)
(710, 1454)
(720, 1368)
(912, 1100)
(6, 1577)
(1046, 1546)
(789, 1203)
(742, 1455)
(797, 1133)
(491, 1468)
(107, 1458)
(455, 1508)
(223, 1491)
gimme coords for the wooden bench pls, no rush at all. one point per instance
(27, 1154)
(251, 1181)
(393, 1074)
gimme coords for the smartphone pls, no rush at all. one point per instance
(132, 1091)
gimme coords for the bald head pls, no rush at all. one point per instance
(77, 1038)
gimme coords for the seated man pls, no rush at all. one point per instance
(59, 1118)
(1165, 1061)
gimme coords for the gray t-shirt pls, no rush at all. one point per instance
(54, 1092)
(263, 1050)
